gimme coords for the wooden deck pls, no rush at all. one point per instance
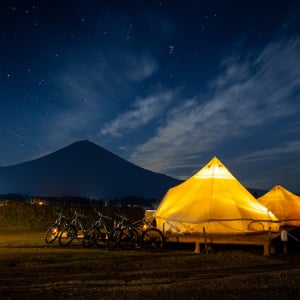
(263, 239)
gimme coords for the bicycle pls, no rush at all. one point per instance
(152, 238)
(54, 229)
(99, 232)
(75, 230)
(139, 234)
(117, 237)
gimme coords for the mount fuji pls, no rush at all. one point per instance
(83, 169)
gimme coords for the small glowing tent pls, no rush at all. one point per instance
(214, 200)
(284, 204)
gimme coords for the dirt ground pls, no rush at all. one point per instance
(30, 269)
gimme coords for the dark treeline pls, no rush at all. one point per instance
(128, 201)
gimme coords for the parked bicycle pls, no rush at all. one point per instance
(75, 230)
(139, 234)
(99, 232)
(55, 229)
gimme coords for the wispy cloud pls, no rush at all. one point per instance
(141, 68)
(78, 104)
(91, 91)
(273, 153)
(247, 94)
(143, 111)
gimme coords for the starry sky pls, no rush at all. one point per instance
(166, 85)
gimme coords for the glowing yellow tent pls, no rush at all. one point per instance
(215, 200)
(284, 204)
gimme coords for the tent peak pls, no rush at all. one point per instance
(214, 169)
(215, 160)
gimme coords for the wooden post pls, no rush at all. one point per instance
(267, 247)
(197, 246)
(205, 240)
(284, 248)
(284, 239)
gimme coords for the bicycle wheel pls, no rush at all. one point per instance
(152, 239)
(52, 233)
(67, 235)
(129, 238)
(102, 238)
(114, 239)
(90, 237)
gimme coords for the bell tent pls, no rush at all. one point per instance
(284, 204)
(214, 200)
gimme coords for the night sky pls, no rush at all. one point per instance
(166, 85)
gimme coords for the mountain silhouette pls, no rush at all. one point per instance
(83, 169)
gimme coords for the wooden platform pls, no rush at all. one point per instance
(263, 239)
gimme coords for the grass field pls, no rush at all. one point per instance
(32, 269)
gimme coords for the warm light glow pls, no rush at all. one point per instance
(214, 171)
(259, 207)
(213, 198)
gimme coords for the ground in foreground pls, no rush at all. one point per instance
(30, 269)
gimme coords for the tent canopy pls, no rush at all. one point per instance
(214, 200)
(284, 204)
